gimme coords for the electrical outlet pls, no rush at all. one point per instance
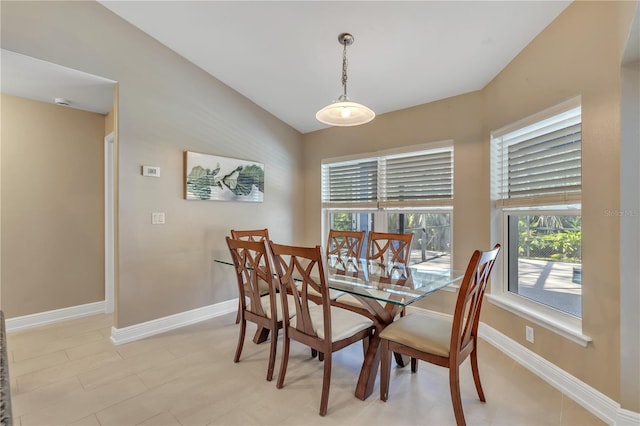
(528, 333)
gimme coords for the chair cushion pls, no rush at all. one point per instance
(266, 306)
(351, 300)
(425, 333)
(333, 294)
(263, 288)
(343, 323)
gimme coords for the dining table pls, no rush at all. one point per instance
(382, 291)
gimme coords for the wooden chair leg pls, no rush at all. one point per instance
(456, 400)
(365, 346)
(476, 374)
(238, 313)
(385, 369)
(414, 365)
(326, 384)
(314, 353)
(284, 361)
(243, 329)
(272, 354)
(320, 356)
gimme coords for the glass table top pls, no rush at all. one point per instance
(391, 282)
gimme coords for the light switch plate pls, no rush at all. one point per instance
(151, 171)
(157, 218)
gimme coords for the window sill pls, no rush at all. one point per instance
(564, 325)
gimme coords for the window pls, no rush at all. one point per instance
(544, 255)
(431, 234)
(403, 192)
(536, 186)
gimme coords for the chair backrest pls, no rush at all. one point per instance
(384, 247)
(343, 249)
(300, 269)
(388, 252)
(344, 243)
(251, 234)
(469, 301)
(253, 272)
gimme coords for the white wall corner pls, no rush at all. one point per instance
(627, 418)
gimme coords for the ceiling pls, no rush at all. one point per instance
(285, 55)
(43, 81)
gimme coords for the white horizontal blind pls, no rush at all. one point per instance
(417, 179)
(541, 163)
(350, 184)
(414, 179)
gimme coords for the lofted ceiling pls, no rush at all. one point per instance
(285, 55)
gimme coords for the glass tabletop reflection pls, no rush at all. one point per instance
(390, 282)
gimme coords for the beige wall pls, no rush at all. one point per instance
(52, 207)
(166, 106)
(578, 54)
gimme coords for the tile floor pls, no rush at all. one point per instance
(70, 373)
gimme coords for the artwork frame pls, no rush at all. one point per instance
(210, 177)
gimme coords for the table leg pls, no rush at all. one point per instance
(369, 370)
(401, 359)
(262, 334)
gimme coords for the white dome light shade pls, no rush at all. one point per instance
(345, 113)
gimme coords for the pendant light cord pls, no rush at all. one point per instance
(344, 69)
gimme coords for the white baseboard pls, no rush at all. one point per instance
(50, 317)
(600, 405)
(161, 325)
(591, 399)
(627, 418)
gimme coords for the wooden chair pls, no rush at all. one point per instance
(343, 249)
(446, 342)
(388, 256)
(251, 235)
(253, 272)
(322, 327)
(385, 248)
(342, 252)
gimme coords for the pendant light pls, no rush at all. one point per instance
(344, 112)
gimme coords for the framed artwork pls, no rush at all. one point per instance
(209, 177)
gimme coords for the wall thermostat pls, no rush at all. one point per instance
(152, 171)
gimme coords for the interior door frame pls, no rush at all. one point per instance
(109, 224)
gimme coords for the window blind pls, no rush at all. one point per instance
(350, 184)
(540, 164)
(417, 180)
(414, 179)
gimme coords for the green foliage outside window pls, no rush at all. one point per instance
(342, 222)
(553, 238)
